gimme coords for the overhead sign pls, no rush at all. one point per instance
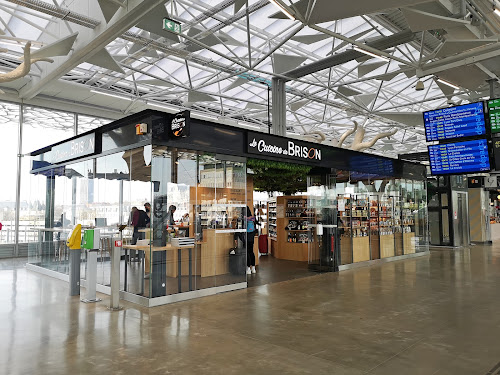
(263, 144)
(494, 115)
(171, 26)
(76, 148)
(460, 157)
(496, 153)
(180, 124)
(141, 129)
(455, 122)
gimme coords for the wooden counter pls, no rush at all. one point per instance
(409, 242)
(172, 257)
(387, 246)
(360, 249)
(345, 250)
(398, 246)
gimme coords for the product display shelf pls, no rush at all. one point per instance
(272, 225)
(360, 229)
(294, 234)
(386, 227)
(345, 228)
(398, 229)
(262, 215)
(374, 228)
(298, 217)
(408, 223)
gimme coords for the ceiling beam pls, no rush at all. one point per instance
(90, 42)
(377, 46)
(466, 58)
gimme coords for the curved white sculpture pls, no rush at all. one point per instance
(359, 145)
(316, 136)
(347, 134)
(24, 68)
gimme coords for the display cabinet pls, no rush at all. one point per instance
(360, 224)
(374, 228)
(271, 219)
(386, 227)
(398, 229)
(293, 228)
(344, 226)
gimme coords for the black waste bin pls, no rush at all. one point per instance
(238, 262)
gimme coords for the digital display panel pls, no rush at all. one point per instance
(494, 115)
(455, 122)
(460, 157)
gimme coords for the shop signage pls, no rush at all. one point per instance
(263, 144)
(141, 129)
(496, 153)
(118, 243)
(172, 26)
(180, 124)
(76, 148)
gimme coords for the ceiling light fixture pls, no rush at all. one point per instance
(420, 86)
(359, 49)
(448, 84)
(162, 106)
(205, 116)
(282, 9)
(247, 125)
(111, 94)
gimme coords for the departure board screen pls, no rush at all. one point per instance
(455, 122)
(494, 114)
(460, 157)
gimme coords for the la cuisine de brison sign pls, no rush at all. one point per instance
(290, 150)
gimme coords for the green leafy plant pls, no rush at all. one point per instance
(273, 176)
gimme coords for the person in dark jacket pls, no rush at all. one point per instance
(140, 220)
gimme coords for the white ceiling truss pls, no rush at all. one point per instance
(222, 62)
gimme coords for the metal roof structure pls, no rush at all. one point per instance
(343, 61)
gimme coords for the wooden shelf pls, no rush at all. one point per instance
(299, 218)
(297, 230)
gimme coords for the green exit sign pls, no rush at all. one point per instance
(171, 26)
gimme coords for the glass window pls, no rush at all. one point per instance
(9, 126)
(87, 123)
(41, 127)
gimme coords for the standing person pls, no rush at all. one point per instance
(139, 221)
(250, 238)
(170, 215)
(147, 207)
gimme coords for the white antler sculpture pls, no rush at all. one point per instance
(23, 68)
(359, 145)
(347, 134)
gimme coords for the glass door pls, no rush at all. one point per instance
(323, 241)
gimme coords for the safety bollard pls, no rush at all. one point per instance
(115, 276)
(74, 244)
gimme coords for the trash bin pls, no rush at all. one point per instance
(237, 262)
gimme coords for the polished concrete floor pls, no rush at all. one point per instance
(437, 314)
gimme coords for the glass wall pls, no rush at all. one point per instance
(40, 127)
(380, 217)
(9, 127)
(199, 201)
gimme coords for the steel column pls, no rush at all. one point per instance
(279, 107)
(18, 180)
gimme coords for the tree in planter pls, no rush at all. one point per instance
(273, 176)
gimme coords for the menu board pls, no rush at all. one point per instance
(494, 114)
(455, 122)
(460, 157)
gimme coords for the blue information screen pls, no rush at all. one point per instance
(460, 157)
(455, 122)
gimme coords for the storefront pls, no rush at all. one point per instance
(356, 207)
